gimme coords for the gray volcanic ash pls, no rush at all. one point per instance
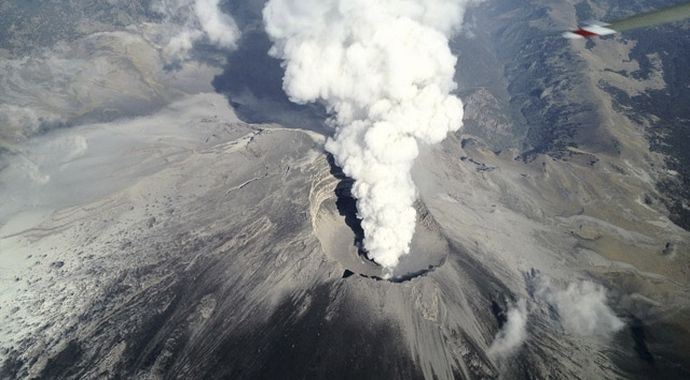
(157, 233)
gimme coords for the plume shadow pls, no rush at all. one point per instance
(347, 206)
(252, 82)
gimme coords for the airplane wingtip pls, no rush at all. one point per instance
(572, 36)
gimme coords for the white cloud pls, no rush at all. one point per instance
(581, 307)
(180, 45)
(194, 20)
(513, 334)
(219, 27)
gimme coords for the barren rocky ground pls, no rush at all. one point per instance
(207, 235)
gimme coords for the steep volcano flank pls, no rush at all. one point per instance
(663, 111)
(334, 218)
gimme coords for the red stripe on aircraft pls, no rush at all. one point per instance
(584, 33)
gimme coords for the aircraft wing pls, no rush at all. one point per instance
(595, 29)
(671, 14)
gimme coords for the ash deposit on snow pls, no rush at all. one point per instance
(216, 189)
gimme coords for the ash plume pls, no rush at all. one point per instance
(513, 334)
(582, 307)
(385, 72)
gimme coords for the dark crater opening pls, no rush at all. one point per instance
(347, 273)
(347, 205)
(429, 247)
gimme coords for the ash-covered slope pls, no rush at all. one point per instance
(209, 266)
(211, 254)
(188, 244)
(592, 117)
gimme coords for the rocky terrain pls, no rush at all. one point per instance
(199, 238)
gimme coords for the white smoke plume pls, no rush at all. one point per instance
(219, 27)
(513, 333)
(385, 72)
(581, 307)
(198, 19)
